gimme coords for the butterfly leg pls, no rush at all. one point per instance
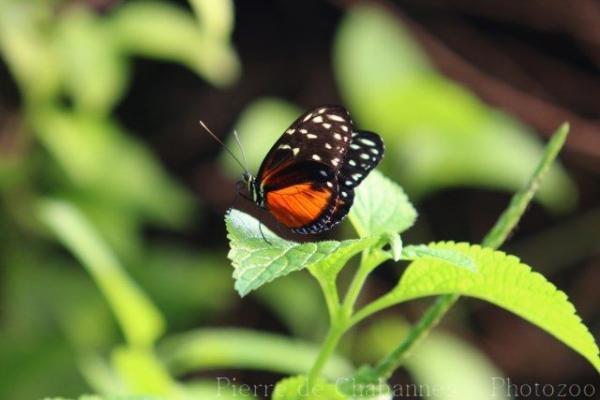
(262, 234)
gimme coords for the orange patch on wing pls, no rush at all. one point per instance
(298, 205)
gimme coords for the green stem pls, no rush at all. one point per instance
(340, 314)
(331, 297)
(336, 331)
(494, 239)
(369, 261)
(338, 326)
(432, 316)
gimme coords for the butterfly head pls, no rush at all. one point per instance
(255, 191)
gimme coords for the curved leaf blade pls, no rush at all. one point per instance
(242, 348)
(381, 206)
(166, 31)
(502, 280)
(141, 321)
(456, 258)
(257, 262)
(294, 388)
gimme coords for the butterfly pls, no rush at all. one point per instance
(307, 179)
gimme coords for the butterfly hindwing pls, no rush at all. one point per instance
(364, 153)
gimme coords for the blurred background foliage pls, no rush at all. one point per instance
(113, 272)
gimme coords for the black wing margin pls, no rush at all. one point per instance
(364, 154)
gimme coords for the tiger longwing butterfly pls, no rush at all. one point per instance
(308, 177)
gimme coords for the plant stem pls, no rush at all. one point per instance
(432, 316)
(494, 239)
(330, 293)
(369, 261)
(339, 315)
(336, 331)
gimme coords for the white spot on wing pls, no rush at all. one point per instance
(326, 125)
(316, 157)
(337, 136)
(308, 116)
(303, 131)
(323, 172)
(290, 131)
(318, 119)
(334, 117)
(322, 110)
(285, 146)
(311, 136)
(356, 176)
(368, 142)
(296, 150)
(354, 146)
(364, 156)
(335, 161)
(327, 145)
(344, 128)
(330, 184)
(352, 162)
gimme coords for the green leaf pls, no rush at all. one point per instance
(437, 133)
(216, 17)
(241, 348)
(95, 73)
(101, 159)
(142, 371)
(100, 374)
(141, 322)
(28, 51)
(396, 244)
(294, 388)
(451, 256)
(94, 397)
(502, 280)
(257, 262)
(381, 206)
(165, 31)
(221, 388)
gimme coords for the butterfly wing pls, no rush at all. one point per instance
(309, 175)
(321, 135)
(298, 175)
(364, 153)
(302, 196)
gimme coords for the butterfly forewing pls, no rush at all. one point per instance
(308, 176)
(321, 135)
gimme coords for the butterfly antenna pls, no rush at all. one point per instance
(239, 142)
(223, 144)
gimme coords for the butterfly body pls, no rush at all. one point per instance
(307, 179)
